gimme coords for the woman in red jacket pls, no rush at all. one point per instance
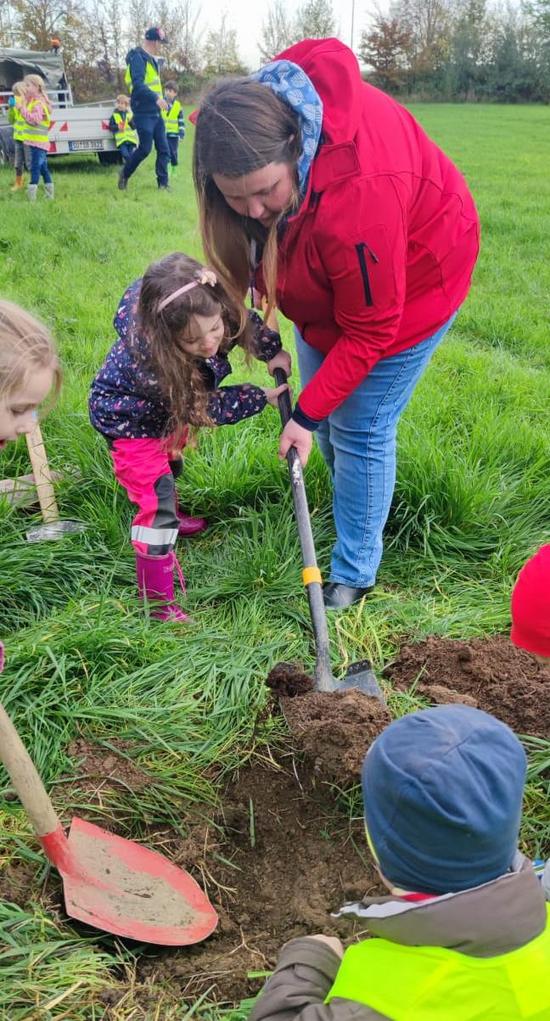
(329, 197)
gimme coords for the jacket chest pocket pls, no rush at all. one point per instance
(373, 261)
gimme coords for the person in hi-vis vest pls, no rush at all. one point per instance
(142, 79)
(173, 121)
(121, 123)
(464, 934)
(17, 121)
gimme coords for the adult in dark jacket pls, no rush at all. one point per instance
(365, 235)
(143, 81)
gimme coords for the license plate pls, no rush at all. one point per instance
(86, 144)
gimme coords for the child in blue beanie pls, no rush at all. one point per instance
(464, 934)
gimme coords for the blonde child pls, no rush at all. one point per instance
(121, 125)
(16, 119)
(29, 371)
(36, 111)
(176, 329)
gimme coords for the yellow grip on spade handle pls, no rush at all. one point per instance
(42, 475)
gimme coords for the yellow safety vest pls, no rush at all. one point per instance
(432, 983)
(125, 133)
(151, 80)
(16, 118)
(36, 134)
(170, 118)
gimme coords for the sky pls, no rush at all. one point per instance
(247, 17)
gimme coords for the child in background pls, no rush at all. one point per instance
(176, 329)
(173, 122)
(37, 113)
(16, 119)
(531, 605)
(121, 124)
(465, 933)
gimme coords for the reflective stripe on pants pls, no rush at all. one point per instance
(143, 468)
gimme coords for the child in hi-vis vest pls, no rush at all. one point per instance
(174, 122)
(121, 124)
(18, 123)
(176, 328)
(37, 113)
(464, 934)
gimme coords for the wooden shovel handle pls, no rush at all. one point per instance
(42, 475)
(25, 778)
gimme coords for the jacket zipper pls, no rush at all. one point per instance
(361, 248)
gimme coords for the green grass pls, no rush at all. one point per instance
(472, 502)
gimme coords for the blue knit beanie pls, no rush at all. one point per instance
(442, 790)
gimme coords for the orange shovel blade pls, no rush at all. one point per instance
(129, 890)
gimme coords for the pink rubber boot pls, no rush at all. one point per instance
(155, 578)
(189, 526)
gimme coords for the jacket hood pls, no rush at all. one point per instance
(291, 84)
(485, 921)
(136, 49)
(334, 71)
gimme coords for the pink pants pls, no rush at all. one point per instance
(147, 470)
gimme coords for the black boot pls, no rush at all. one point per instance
(338, 596)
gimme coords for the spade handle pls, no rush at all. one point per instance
(42, 475)
(324, 680)
(25, 778)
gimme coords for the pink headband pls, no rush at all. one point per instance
(206, 277)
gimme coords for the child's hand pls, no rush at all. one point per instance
(282, 360)
(272, 394)
(331, 941)
(162, 104)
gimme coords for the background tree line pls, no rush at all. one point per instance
(432, 49)
(461, 50)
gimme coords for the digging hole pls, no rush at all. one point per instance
(290, 859)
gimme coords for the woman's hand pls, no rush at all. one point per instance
(294, 435)
(282, 360)
(272, 394)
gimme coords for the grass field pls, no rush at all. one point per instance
(472, 502)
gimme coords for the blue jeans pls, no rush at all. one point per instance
(173, 142)
(126, 149)
(39, 165)
(358, 443)
(150, 128)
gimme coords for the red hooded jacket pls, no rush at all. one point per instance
(382, 249)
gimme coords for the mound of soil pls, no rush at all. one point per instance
(488, 673)
(334, 730)
(281, 862)
(289, 679)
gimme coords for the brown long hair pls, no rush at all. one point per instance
(180, 375)
(25, 346)
(241, 127)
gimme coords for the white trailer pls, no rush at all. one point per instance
(76, 128)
